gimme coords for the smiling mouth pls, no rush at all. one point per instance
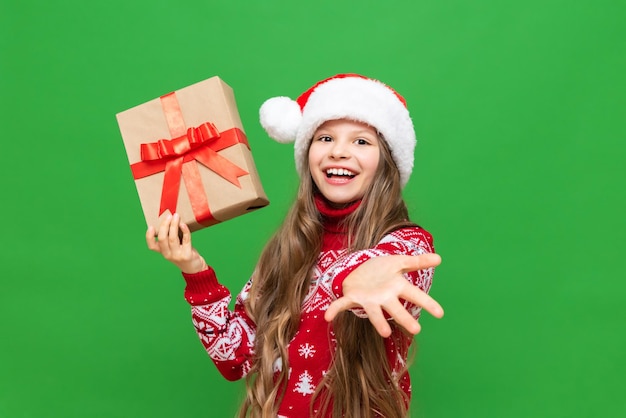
(339, 172)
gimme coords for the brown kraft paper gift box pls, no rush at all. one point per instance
(189, 154)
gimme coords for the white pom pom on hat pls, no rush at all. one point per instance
(281, 117)
(344, 96)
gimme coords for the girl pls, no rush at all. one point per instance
(324, 325)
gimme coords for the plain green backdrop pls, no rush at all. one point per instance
(519, 109)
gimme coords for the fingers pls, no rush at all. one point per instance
(420, 298)
(341, 304)
(378, 320)
(172, 236)
(186, 238)
(162, 235)
(402, 317)
(151, 239)
(374, 314)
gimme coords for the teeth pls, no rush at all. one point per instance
(339, 172)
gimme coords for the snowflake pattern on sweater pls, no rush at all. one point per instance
(228, 336)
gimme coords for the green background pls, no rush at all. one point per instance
(520, 112)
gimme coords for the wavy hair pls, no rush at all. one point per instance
(360, 381)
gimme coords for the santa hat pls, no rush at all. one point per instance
(344, 96)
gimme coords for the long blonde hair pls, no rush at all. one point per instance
(360, 381)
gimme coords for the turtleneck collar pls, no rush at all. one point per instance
(333, 216)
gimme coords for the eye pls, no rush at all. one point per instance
(324, 138)
(361, 141)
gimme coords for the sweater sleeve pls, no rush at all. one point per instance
(406, 241)
(227, 336)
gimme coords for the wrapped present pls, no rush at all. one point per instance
(189, 154)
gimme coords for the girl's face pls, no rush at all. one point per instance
(343, 158)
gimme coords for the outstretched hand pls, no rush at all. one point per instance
(175, 248)
(378, 284)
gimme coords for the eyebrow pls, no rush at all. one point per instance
(365, 132)
(355, 133)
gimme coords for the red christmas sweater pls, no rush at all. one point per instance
(228, 335)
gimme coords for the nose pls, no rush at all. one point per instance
(339, 150)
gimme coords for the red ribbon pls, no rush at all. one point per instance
(178, 156)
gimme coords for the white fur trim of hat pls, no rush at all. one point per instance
(344, 96)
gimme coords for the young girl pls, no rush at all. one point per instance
(324, 325)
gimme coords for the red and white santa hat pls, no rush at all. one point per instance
(344, 96)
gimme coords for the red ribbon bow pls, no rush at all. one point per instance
(178, 156)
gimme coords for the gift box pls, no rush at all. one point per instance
(189, 154)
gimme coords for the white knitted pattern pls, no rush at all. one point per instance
(402, 242)
(228, 336)
(223, 331)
